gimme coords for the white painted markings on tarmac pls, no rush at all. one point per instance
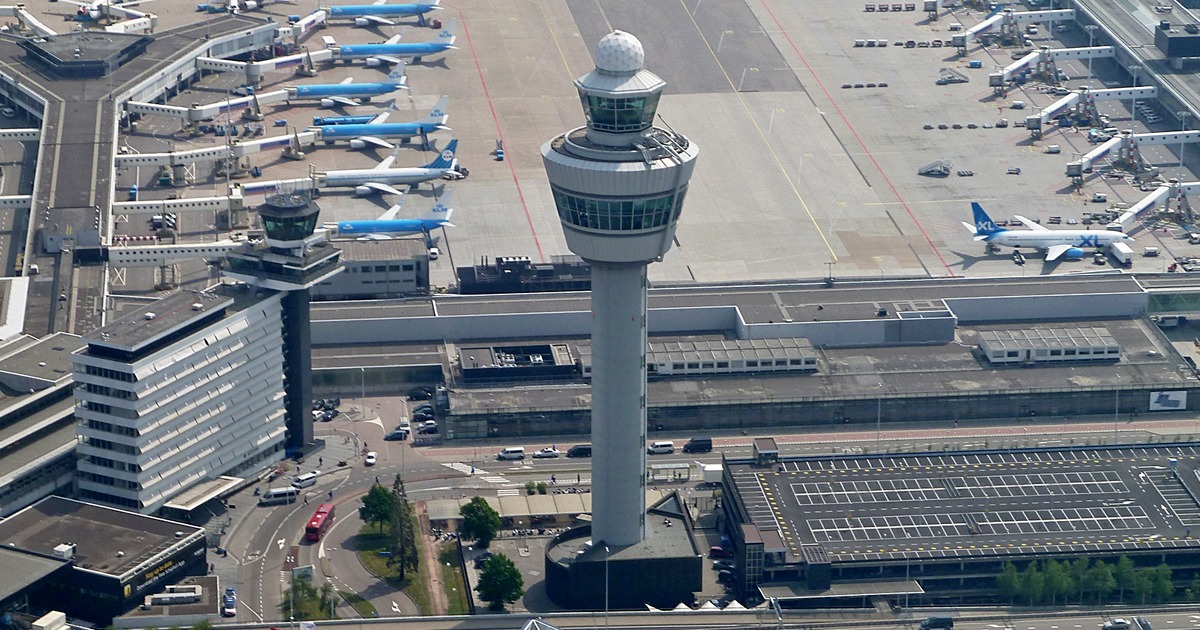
(281, 542)
(467, 469)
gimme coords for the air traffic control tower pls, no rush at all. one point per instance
(293, 260)
(618, 185)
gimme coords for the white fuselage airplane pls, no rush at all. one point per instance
(1069, 244)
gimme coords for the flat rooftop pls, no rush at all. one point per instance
(977, 504)
(22, 569)
(100, 533)
(137, 330)
(47, 359)
(758, 304)
(874, 371)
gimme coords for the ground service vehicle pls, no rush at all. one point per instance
(319, 523)
(277, 496)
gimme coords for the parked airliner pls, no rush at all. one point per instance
(373, 134)
(393, 52)
(378, 14)
(1069, 244)
(381, 179)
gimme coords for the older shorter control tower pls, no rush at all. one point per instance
(619, 185)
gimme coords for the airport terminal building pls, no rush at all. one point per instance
(734, 358)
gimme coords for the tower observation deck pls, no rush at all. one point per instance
(618, 185)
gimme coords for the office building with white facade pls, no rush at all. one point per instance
(178, 393)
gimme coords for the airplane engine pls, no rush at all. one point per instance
(250, 5)
(362, 22)
(363, 191)
(327, 103)
(1074, 253)
(357, 144)
(374, 62)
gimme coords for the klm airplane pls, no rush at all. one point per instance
(1069, 244)
(387, 226)
(344, 93)
(382, 178)
(392, 52)
(378, 14)
(373, 134)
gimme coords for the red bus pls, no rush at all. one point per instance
(319, 522)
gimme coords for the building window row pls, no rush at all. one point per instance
(107, 445)
(618, 214)
(108, 427)
(110, 499)
(619, 115)
(93, 370)
(111, 392)
(109, 410)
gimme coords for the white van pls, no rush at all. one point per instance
(1099, 198)
(1054, 148)
(955, 26)
(275, 496)
(663, 447)
(511, 453)
(305, 480)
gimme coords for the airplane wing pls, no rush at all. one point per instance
(78, 3)
(394, 39)
(379, 2)
(391, 213)
(382, 188)
(374, 237)
(342, 100)
(1055, 251)
(379, 142)
(378, 20)
(386, 162)
(389, 59)
(347, 81)
(1037, 227)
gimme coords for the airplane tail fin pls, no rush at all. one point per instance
(446, 159)
(441, 210)
(398, 76)
(446, 36)
(984, 225)
(437, 115)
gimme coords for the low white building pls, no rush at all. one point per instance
(183, 391)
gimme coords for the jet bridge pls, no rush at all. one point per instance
(197, 112)
(21, 135)
(235, 150)
(165, 255)
(1129, 145)
(304, 26)
(144, 24)
(1044, 61)
(1084, 103)
(27, 20)
(304, 63)
(1007, 21)
(268, 187)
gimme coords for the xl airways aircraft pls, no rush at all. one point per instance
(393, 52)
(103, 9)
(388, 226)
(380, 14)
(1056, 243)
(344, 93)
(382, 178)
(373, 134)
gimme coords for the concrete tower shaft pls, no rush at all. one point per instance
(618, 186)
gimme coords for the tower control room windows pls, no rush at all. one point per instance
(618, 214)
(619, 115)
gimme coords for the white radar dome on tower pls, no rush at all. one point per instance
(620, 52)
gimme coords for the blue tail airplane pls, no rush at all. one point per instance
(1069, 244)
(387, 226)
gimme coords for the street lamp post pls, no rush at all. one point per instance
(1135, 69)
(1116, 406)
(1091, 29)
(878, 415)
(362, 402)
(1183, 116)
(606, 586)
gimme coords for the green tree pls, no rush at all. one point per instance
(1078, 572)
(1124, 576)
(310, 603)
(1033, 584)
(480, 521)
(1058, 581)
(1143, 585)
(403, 521)
(500, 582)
(376, 506)
(1101, 581)
(1009, 582)
(1163, 588)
